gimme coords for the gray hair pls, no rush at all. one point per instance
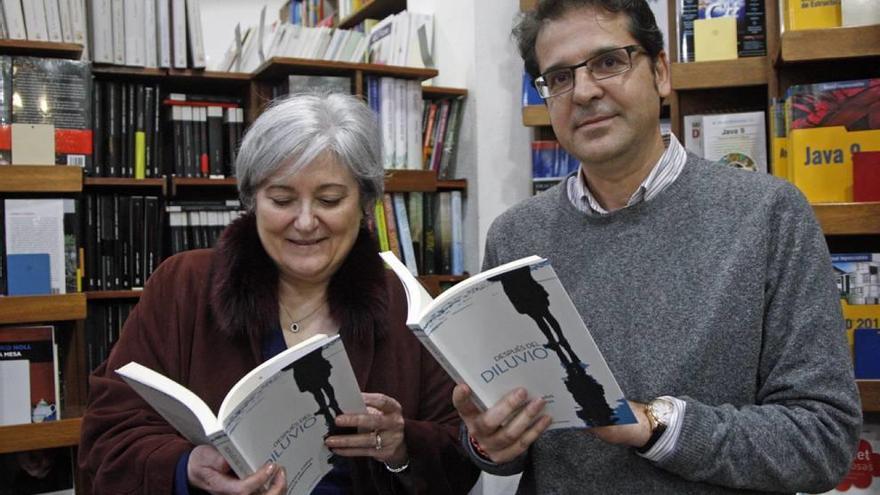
(295, 130)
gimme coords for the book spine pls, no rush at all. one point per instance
(140, 136)
(457, 233)
(381, 228)
(403, 231)
(99, 138)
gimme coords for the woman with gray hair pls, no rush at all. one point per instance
(301, 261)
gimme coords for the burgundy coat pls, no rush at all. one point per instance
(200, 321)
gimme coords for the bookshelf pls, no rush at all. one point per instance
(843, 43)
(29, 48)
(37, 309)
(870, 392)
(51, 434)
(40, 179)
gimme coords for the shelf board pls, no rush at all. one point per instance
(40, 49)
(848, 218)
(40, 178)
(452, 185)
(410, 181)
(375, 9)
(525, 5)
(42, 309)
(121, 70)
(95, 295)
(122, 182)
(210, 75)
(437, 92)
(829, 44)
(535, 116)
(283, 66)
(870, 392)
(746, 71)
(48, 435)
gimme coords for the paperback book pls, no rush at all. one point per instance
(515, 326)
(281, 411)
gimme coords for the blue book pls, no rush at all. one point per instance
(28, 274)
(530, 94)
(867, 353)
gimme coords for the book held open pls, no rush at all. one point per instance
(515, 326)
(281, 411)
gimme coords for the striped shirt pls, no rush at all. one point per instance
(662, 175)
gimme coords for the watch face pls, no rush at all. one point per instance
(661, 409)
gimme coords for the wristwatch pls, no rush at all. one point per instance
(659, 413)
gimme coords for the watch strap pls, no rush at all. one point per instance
(658, 431)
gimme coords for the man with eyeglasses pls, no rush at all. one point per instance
(708, 289)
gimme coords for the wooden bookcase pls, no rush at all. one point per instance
(69, 311)
(746, 84)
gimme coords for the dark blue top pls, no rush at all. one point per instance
(336, 482)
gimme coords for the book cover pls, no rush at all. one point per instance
(28, 375)
(736, 139)
(821, 161)
(866, 176)
(866, 350)
(281, 411)
(813, 14)
(714, 39)
(36, 226)
(859, 12)
(858, 281)
(56, 92)
(512, 326)
(751, 36)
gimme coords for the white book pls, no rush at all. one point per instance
(178, 34)
(323, 41)
(336, 38)
(35, 20)
(386, 120)
(14, 17)
(457, 215)
(400, 43)
(236, 59)
(78, 22)
(660, 9)
(196, 37)
(515, 326)
(3, 33)
(261, 34)
(352, 38)
(65, 15)
(401, 104)
(278, 39)
(101, 13)
(102, 31)
(360, 51)
(15, 388)
(404, 234)
(736, 139)
(163, 33)
(280, 411)
(53, 20)
(118, 12)
(381, 40)
(135, 25)
(414, 108)
(151, 35)
(35, 226)
(421, 41)
(860, 12)
(693, 134)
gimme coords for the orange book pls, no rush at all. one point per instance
(391, 225)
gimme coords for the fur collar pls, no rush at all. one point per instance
(244, 293)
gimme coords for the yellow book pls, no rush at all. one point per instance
(859, 287)
(381, 230)
(140, 154)
(821, 161)
(813, 14)
(778, 141)
(715, 39)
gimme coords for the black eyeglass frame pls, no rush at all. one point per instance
(541, 80)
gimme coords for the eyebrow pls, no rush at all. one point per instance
(594, 53)
(321, 188)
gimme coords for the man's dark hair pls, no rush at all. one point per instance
(642, 25)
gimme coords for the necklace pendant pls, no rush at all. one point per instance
(294, 327)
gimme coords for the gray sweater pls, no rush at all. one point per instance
(718, 291)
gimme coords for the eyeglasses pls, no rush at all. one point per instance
(607, 64)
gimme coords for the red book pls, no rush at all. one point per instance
(866, 176)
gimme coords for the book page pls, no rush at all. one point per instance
(417, 297)
(183, 409)
(518, 327)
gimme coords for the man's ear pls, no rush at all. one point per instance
(662, 76)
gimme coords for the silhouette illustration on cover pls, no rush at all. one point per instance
(531, 299)
(312, 374)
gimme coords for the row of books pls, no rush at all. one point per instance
(858, 281)
(198, 224)
(800, 15)
(205, 135)
(424, 230)
(312, 12)
(122, 240)
(61, 21)
(551, 161)
(821, 138)
(146, 33)
(104, 324)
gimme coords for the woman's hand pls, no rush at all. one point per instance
(208, 470)
(380, 432)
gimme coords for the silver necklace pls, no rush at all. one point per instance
(294, 325)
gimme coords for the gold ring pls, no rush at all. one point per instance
(378, 440)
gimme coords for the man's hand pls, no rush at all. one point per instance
(508, 428)
(208, 470)
(634, 435)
